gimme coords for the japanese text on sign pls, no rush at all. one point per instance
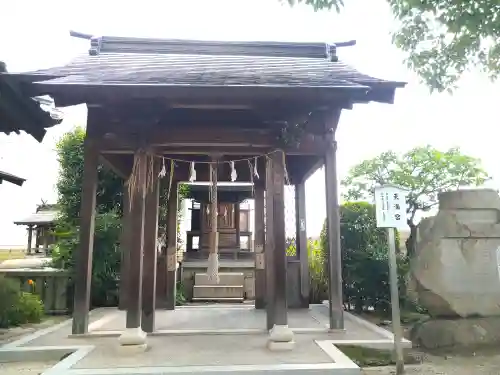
(390, 204)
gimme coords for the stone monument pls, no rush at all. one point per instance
(455, 272)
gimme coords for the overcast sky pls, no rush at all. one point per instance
(35, 35)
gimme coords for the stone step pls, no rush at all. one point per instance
(225, 278)
(218, 291)
(219, 299)
(272, 369)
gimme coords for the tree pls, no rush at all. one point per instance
(442, 38)
(109, 207)
(424, 171)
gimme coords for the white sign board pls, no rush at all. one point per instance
(390, 205)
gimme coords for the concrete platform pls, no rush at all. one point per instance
(213, 339)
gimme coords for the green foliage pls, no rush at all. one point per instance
(69, 183)
(18, 307)
(106, 257)
(319, 4)
(365, 265)
(109, 202)
(29, 309)
(317, 272)
(180, 295)
(442, 38)
(424, 171)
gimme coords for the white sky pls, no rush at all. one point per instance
(35, 35)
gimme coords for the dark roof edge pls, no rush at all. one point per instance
(113, 44)
(4, 176)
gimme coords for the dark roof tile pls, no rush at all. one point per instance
(136, 61)
(4, 176)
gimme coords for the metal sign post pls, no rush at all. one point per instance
(390, 204)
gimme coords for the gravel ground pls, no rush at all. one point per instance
(482, 364)
(25, 368)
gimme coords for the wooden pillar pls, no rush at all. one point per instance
(237, 223)
(134, 299)
(276, 261)
(30, 238)
(301, 242)
(125, 238)
(150, 253)
(45, 238)
(260, 238)
(83, 264)
(269, 246)
(171, 279)
(37, 238)
(336, 304)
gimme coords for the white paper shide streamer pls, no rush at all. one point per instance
(255, 172)
(163, 171)
(192, 172)
(234, 175)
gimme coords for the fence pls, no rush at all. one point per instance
(51, 285)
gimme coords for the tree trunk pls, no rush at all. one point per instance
(411, 241)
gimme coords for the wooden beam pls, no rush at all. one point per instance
(66, 94)
(119, 165)
(206, 140)
(83, 271)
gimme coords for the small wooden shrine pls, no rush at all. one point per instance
(42, 224)
(167, 108)
(229, 218)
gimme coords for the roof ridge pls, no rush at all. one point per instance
(113, 44)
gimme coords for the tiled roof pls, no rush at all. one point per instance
(19, 111)
(41, 217)
(4, 176)
(133, 61)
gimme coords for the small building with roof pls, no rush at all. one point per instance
(269, 110)
(42, 224)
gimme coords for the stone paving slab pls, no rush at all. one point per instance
(204, 350)
(206, 339)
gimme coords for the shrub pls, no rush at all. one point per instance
(29, 309)
(106, 257)
(180, 295)
(18, 307)
(318, 278)
(365, 267)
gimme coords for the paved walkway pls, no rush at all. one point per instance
(192, 339)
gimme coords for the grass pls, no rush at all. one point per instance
(12, 254)
(368, 357)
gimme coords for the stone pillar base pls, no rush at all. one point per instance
(280, 338)
(132, 340)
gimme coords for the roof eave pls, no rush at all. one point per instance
(21, 112)
(19, 181)
(68, 94)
